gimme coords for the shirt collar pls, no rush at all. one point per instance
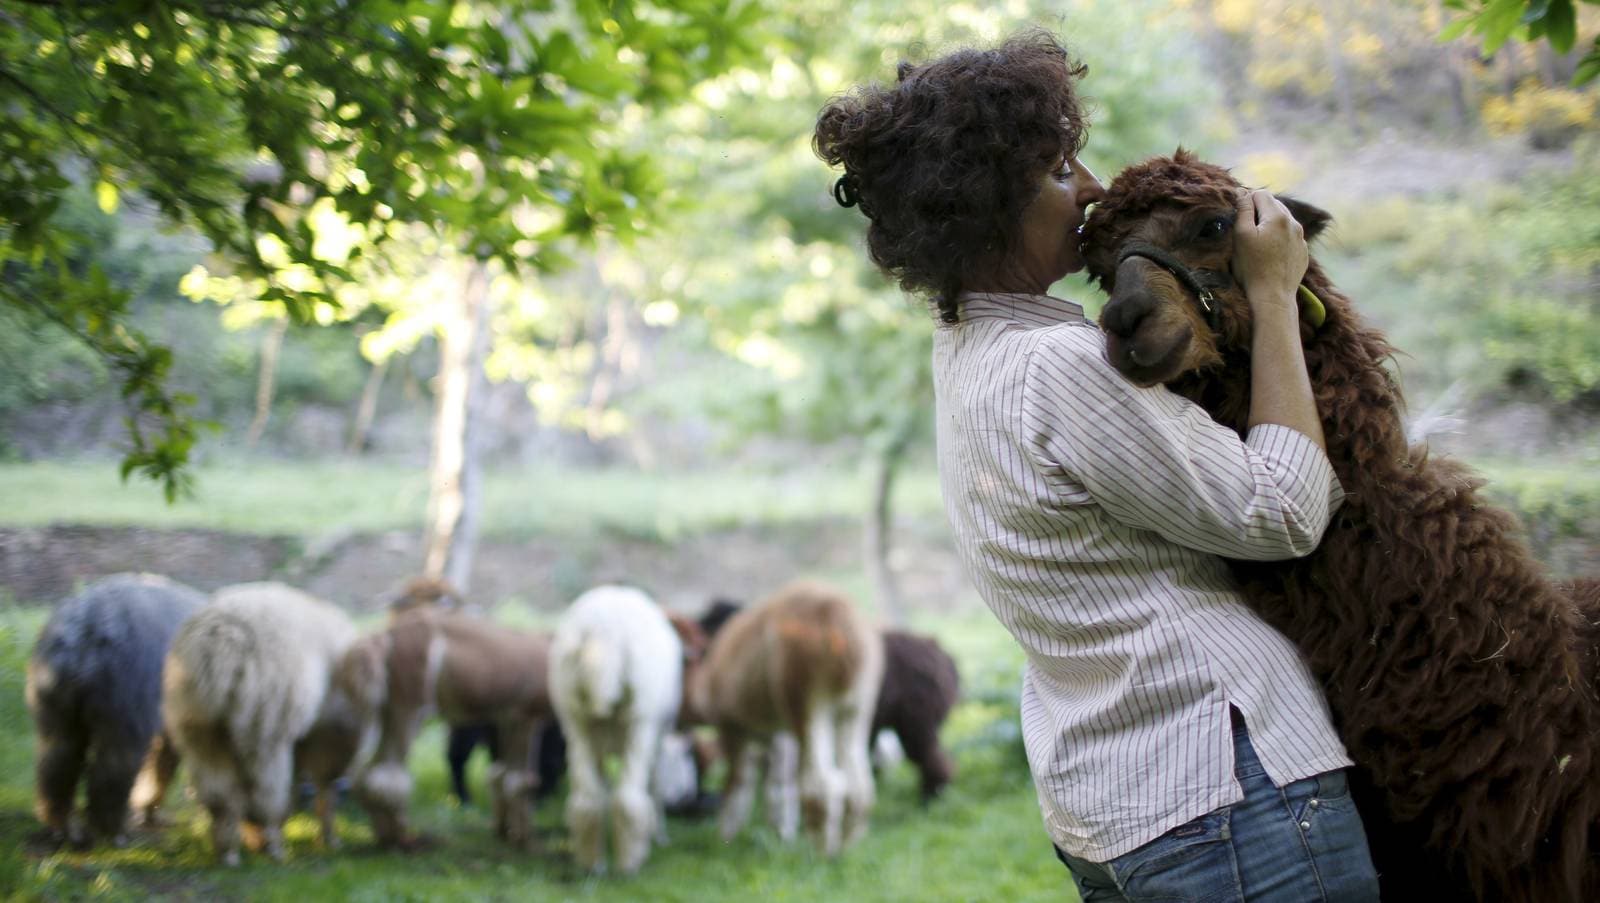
(1018, 307)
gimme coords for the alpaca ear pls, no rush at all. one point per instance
(1313, 219)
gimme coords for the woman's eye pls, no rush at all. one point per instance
(1215, 228)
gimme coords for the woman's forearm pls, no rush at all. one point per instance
(1280, 390)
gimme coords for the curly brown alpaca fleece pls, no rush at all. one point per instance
(1461, 678)
(920, 686)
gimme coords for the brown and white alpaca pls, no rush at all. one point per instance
(465, 670)
(616, 682)
(802, 661)
(245, 683)
(920, 686)
(1461, 678)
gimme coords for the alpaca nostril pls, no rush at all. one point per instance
(1123, 315)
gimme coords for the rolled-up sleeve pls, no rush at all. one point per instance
(1157, 461)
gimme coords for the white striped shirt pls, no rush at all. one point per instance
(1090, 514)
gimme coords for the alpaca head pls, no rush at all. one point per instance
(1161, 245)
(421, 595)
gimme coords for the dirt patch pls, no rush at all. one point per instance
(43, 565)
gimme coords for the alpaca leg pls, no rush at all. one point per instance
(463, 740)
(384, 790)
(739, 794)
(783, 793)
(112, 767)
(155, 776)
(587, 802)
(217, 785)
(633, 809)
(822, 788)
(325, 816)
(853, 754)
(268, 803)
(60, 763)
(514, 789)
(933, 764)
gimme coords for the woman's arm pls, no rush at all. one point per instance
(1270, 259)
(1154, 460)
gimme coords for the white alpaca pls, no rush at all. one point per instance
(245, 679)
(616, 681)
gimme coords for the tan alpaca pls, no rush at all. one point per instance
(465, 670)
(245, 681)
(803, 662)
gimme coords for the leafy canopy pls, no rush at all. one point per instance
(1497, 21)
(486, 123)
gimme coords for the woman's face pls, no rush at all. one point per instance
(1050, 240)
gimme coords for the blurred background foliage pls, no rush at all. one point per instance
(268, 216)
(671, 285)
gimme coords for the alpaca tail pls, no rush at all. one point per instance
(206, 667)
(821, 653)
(600, 675)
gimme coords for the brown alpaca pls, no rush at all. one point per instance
(804, 662)
(920, 685)
(1461, 677)
(466, 670)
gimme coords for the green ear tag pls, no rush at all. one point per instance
(1311, 307)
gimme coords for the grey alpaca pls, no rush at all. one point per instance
(94, 689)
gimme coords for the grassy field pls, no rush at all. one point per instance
(319, 496)
(982, 841)
(311, 498)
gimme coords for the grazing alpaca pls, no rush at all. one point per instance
(920, 686)
(549, 767)
(94, 690)
(466, 670)
(246, 682)
(803, 662)
(1462, 680)
(616, 681)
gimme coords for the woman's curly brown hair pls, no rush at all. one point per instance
(944, 161)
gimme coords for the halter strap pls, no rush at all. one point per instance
(1208, 301)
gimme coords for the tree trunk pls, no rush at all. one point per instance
(1342, 90)
(878, 527)
(367, 410)
(456, 472)
(266, 379)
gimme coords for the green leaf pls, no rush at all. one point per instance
(1561, 25)
(1497, 21)
(1589, 67)
(105, 195)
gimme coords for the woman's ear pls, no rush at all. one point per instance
(1313, 219)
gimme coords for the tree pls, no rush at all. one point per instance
(1556, 21)
(776, 275)
(489, 123)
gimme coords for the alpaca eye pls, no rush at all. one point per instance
(1214, 228)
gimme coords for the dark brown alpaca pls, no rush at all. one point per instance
(1460, 676)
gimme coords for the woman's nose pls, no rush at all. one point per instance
(1090, 191)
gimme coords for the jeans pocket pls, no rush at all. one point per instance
(1193, 862)
(1311, 799)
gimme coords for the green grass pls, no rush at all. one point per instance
(982, 841)
(316, 497)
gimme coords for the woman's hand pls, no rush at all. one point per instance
(1269, 259)
(1269, 253)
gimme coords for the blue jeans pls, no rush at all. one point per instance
(1297, 844)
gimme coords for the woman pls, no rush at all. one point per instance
(1179, 747)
